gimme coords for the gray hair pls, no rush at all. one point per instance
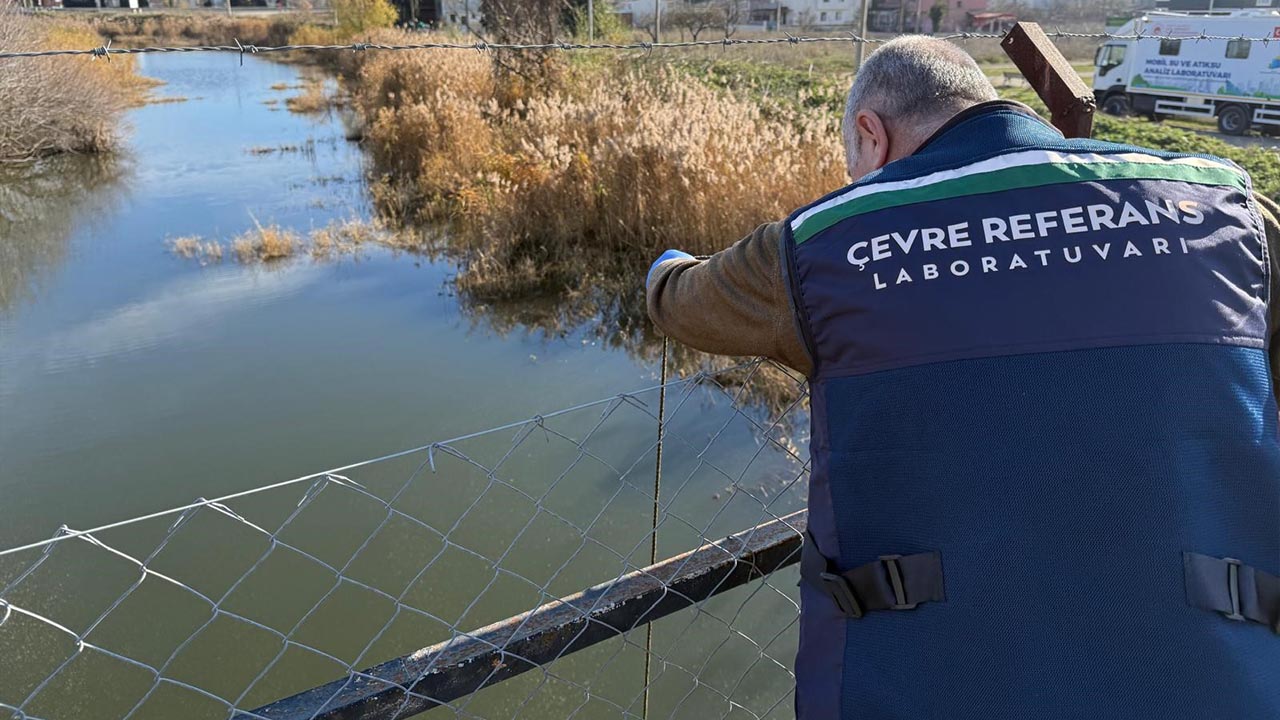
(915, 83)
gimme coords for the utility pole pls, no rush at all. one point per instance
(591, 21)
(862, 33)
(918, 25)
(657, 20)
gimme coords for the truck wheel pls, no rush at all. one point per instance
(1116, 105)
(1233, 119)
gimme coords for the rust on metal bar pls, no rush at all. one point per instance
(467, 663)
(1070, 101)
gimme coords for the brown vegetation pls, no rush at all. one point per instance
(196, 247)
(606, 168)
(270, 243)
(312, 100)
(60, 104)
(265, 244)
(189, 29)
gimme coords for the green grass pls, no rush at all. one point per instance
(788, 84)
(1263, 164)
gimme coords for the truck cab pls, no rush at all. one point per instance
(1111, 65)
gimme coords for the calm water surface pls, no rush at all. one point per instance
(122, 364)
(133, 380)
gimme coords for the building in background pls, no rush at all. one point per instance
(459, 12)
(894, 16)
(755, 13)
(639, 13)
(917, 15)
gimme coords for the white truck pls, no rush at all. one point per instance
(1235, 81)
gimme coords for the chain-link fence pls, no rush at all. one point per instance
(404, 583)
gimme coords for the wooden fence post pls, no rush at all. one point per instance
(1071, 102)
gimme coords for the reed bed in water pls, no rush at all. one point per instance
(269, 244)
(608, 164)
(148, 28)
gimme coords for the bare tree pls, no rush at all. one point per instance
(732, 16)
(696, 17)
(525, 22)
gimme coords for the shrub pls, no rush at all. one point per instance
(60, 104)
(362, 16)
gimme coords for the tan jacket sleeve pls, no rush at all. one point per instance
(735, 303)
(1270, 212)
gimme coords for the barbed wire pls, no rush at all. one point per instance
(236, 46)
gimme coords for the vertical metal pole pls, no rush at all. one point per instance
(657, 491)
(591, 21)
(657, 20)
(862, 33)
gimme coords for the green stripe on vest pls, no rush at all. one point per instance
(1012, 179)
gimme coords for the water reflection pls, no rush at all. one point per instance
(41, 204)
(610, 310)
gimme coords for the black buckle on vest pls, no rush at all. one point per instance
(1233, 587)
(842, 593)
(894, 569)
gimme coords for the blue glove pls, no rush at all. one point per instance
(668, 255)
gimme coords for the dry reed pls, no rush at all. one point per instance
(313, 99)
(192, 29)
(271, 243)
(605, 168)
(265, 244)
(197, 248)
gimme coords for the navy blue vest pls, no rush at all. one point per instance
(1046, 360)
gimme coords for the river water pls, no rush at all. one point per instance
(133, 380)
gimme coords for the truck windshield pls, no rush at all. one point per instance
(1109, 56)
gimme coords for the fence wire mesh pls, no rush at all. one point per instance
(221, 607)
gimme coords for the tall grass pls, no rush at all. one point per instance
(189, 29)
(60, 104)
(604, 168)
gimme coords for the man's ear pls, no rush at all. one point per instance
(867, 144)
(874, 139)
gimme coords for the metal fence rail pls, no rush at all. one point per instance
(454, 669)
(356, 593)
